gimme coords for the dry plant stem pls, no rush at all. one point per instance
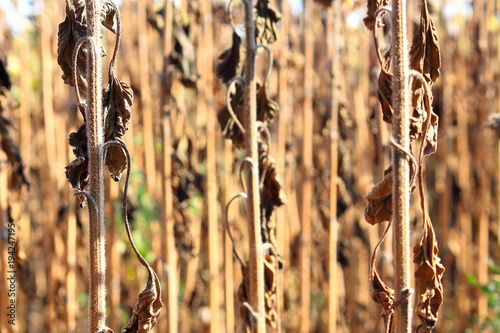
(256, 260)
(168, 221)
(306, 170)
(334, 20)
(97, 257)
(400, 161)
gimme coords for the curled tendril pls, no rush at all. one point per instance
(103, 151)
(378, 15)
(112, 64)
(251, 310)
(78, 46)
(228, 101)
(411, 157)
(375, 249)
(90, 200)
(239, 195)
(270, 56)
(230, 6)
(428, 93)
(245, 160)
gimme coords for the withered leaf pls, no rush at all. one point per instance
(428, 273)
(384, 94)
(271, 192)
(228, 61)
(266, 17)
(379, 198)
(384, 296)
(425, 55)
(147, 309)
(117, 100)
(108, 15)
(77, 170)
(372, 7)
(229, 127)
(267, 109)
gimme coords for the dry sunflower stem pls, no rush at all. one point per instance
(425, 62)
(78, 60)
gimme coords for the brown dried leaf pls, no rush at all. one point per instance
(384, 93)
(229, 60)
(266, 17)
(379, 198)
(147, 309)
(428, 273)
(117, 100)
(108, 15)
(425, 55)
(229, 128)
(272, 194)
(69, 32)
(267, 109)
(4, 76)
(77, 170)
(372, 7)
(384, 296)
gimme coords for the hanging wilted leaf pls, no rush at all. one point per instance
(229, 60)
(109, 15)
(266, 17)
(77, 170)
(230, 129)
(425, 55)
(117, 100)
(69, 32)
(379, 198)
(384, 94)
(267, 109)
(270, 296)
(147, 309)
(384, 296)
(428, 273)
(272, 194)
(372, 7)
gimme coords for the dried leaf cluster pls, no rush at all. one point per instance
(117, 98)
(425, 63)
(230, 118)
(74, 47)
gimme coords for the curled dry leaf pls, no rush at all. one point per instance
(379, 198)
(384, 94)
(372, 7)
(117, 100)
(68, 34)
(108, 15)
(384, 296)
(77, 170)
(267, 109)
(266, 17)
(428, 273)
(425, 55)
(272, 193)
(229, 60)
(4, 76)
(147, 309)
(229, 127)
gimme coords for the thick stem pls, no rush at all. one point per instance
(400, 162)
(256, 264)
(97, 258)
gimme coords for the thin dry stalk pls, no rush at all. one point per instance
(256, 253)
(400, 161)
(334, 20)
(306, 170)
